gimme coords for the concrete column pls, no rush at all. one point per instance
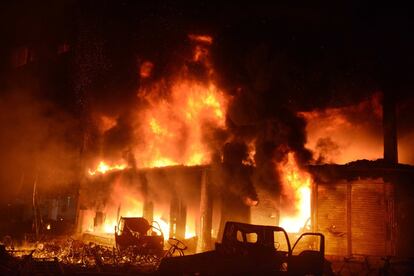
(178, 218)
(206, 214)
(390, 128)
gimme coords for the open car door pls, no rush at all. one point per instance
(308, 254)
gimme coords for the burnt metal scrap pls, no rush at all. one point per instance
(245, 248)
(72, 256)
(137, 250)
(136, 232)
(78, 256)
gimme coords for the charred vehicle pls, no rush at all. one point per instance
(253, 250)
(135, 233)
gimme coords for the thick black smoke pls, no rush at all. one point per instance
(277, 67)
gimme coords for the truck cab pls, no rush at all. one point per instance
(253, 249)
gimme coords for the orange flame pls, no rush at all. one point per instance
(146, 69)
(127, 203)
(172, 125)
(170, 129)
(178, 117)
(251, 152)
(201, 38)
(103, 168)
(173, 130)
(297, 189)
(344, 134)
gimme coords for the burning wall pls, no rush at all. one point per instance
(150, 193)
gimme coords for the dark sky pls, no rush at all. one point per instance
(297, 56)
(284, 57)
(328, 48)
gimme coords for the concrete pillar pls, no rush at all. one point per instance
(390, 128)
(178, 218)
(98, 221)
(206, 214)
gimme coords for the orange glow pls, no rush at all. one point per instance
(201, 50)
(344, 134)
(189, 232)
(175, 116)
(103, 168)
(251, 148)
(297, 190)
(405, 148)
(201, 38)
(111, 221)
(126, 201)
(250, 202)
(178, 116)
(145, 69)
(172, 131)
(106, 123)
(134, 209)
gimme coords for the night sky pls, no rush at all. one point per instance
(331, 52)
(285, 58)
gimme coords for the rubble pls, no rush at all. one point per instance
(75, 255)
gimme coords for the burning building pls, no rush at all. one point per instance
(233, 119)
(361, 205)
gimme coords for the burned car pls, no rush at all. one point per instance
(137, 234)
(253, 250)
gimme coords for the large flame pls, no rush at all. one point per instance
(179, 115)
(160, 221)
(297, 190)
(104, 167)
(127, 202)
(173, 129)
(176, 116)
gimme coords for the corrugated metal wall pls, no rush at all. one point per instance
(356, 217)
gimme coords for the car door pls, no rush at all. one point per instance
(307, 255)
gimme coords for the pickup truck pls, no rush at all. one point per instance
(248, 249)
